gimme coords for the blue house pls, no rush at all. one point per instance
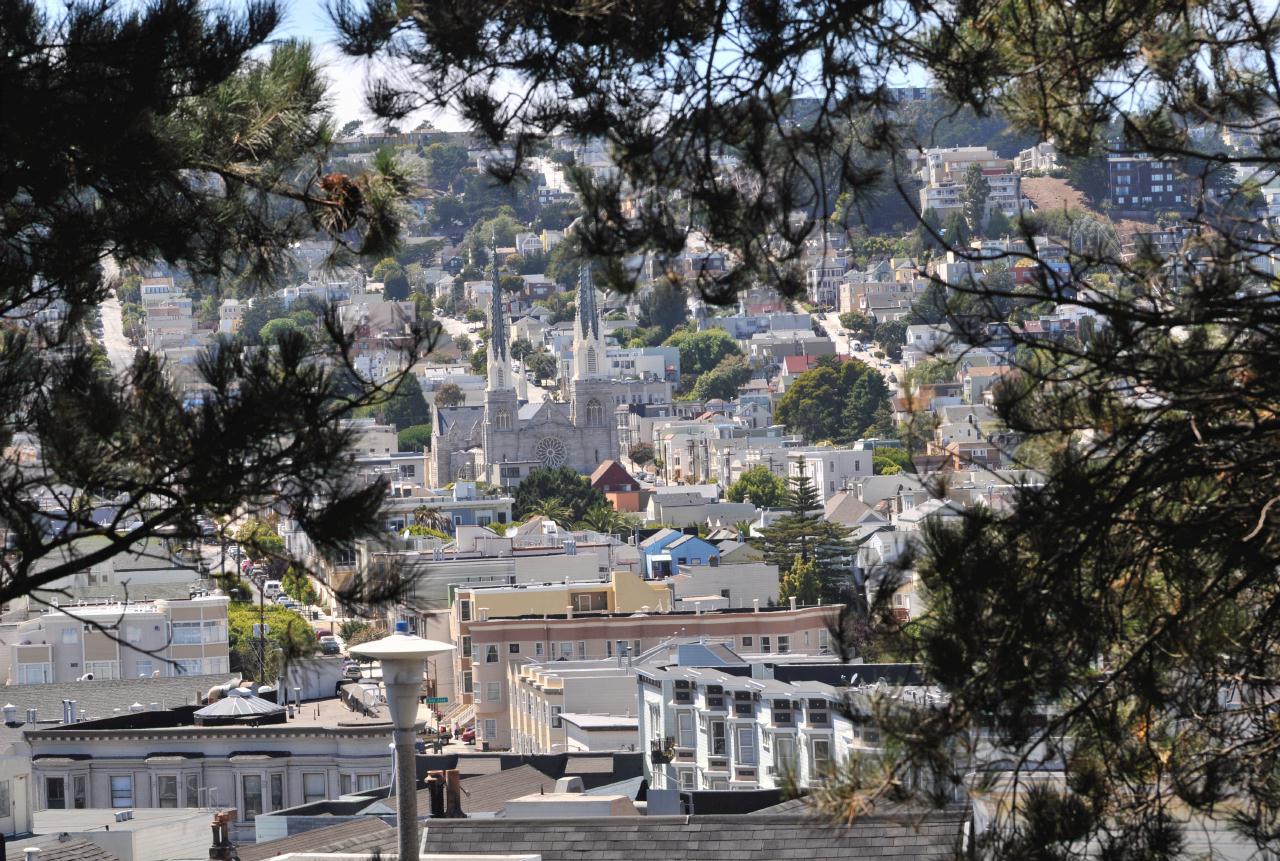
(666, 550)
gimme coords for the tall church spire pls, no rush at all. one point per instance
(499, 364)
(588, 342)
(588, 313)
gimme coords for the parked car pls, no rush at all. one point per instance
(271, 589)
(329, 645)
(468, 735)
(352, 670)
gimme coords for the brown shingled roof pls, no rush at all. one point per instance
(353, 834)
(55, 848)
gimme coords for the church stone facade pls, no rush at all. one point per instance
(507, 438)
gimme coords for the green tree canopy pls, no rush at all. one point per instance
(700, 352)
(568, 488)
(857, 324)
(641, 453)
(760, 486)
(288, 634)
(542, 365)
(834, 401)
(402, 406)
(664, 306)
(801, 582)
(414, 438)
(521, 348)
(561, 306)
(998, 225)
(449, 395)
(273, 329)
(444, 164)
(891, 335)
(974, 196)
(723, 380)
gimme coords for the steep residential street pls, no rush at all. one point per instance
(119, 350)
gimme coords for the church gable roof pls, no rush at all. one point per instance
(448, 418)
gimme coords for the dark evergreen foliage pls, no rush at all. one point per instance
(571, 490)
(166, 134)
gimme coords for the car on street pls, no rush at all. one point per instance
(468, 735)
(329, 645)
(352, 670)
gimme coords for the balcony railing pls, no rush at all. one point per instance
(662, 752)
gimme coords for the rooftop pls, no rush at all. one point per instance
(707, 838)
(353, 835)
(57, 847)
(111, 607)
(600, 722)
(94, 819)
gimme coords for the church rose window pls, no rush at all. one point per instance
(550, 452)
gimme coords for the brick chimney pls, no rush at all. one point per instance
(435, 789)
(222, 848)
(453, 794)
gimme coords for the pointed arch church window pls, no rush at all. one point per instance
(595, 413)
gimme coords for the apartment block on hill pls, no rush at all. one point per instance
(114, 640)
(497, 642)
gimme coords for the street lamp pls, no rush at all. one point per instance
(403, 656)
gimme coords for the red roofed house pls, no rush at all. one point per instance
(617, 485)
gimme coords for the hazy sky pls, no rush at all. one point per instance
(306, 19)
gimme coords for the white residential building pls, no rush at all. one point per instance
(114, 640)
(704, 728)
(830, 469)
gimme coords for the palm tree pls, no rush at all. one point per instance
(606, 520)
(744, 529)
(432, 518)
(552, 509)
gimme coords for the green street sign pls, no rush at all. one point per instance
(436, 701)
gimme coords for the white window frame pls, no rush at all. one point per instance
(119, 800)
(38, 673)
(172, 779)
(103, 669)
(192, 633)
(685, 729)
(744, 744)
(819, 764)
(309, 794)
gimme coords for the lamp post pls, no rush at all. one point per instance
(403, 656)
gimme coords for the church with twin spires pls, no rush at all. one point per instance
(509, 437)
